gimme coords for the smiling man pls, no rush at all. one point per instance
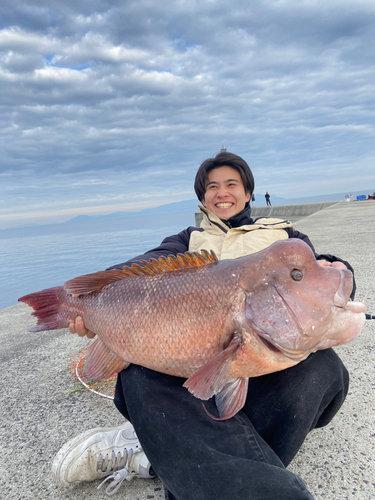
(225, 193)
(195, 456)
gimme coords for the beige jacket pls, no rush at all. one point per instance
(235, 242)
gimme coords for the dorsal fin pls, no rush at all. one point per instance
(90, 283)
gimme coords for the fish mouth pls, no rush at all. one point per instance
(341, 298)
(354, 307)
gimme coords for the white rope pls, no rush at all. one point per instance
(89, 388)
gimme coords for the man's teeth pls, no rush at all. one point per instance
(224, 205)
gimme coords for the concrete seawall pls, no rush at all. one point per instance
(290, 212)
(285, 211)
(40, 410)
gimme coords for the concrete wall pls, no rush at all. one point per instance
(293, 212)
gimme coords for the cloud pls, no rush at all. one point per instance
(124, 101)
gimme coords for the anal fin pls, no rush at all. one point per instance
(100, 362)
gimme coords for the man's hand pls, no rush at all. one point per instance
(336, 264)
(79, 328)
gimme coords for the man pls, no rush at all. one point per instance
(267, 196)
(196, 457)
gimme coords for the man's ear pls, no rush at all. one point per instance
(203, 203)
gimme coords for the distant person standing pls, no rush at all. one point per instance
(267, 196)
(253, 200)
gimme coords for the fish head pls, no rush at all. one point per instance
(296, 305)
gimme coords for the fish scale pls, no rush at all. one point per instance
(169, 310)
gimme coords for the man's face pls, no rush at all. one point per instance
(225, 193)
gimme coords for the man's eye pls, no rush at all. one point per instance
(296, 275)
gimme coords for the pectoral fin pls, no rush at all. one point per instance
(100, 362)
(211, 377)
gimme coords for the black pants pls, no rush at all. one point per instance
(243, 458)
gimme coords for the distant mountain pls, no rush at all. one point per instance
(81, 218)
(178, 206)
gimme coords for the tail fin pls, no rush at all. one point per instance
(46, 309)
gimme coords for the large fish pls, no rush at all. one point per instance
(216, 323)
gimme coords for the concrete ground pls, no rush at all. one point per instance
(40, 410)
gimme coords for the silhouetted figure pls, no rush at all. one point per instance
(267, 196)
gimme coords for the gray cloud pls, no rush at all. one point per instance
(106, 104)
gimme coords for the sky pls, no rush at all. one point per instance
(112, 105)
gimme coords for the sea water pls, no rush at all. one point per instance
(34, 258)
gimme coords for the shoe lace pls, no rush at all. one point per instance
(120, 464)
(118, 478)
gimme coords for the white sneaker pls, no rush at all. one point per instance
(114, 452)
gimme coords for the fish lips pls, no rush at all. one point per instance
(346, 325)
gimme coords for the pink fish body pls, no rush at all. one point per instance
(216, 323)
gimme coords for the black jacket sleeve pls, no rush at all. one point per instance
(296, 234)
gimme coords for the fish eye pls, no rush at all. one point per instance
(296, 275)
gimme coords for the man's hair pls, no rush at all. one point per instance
(224, 159)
